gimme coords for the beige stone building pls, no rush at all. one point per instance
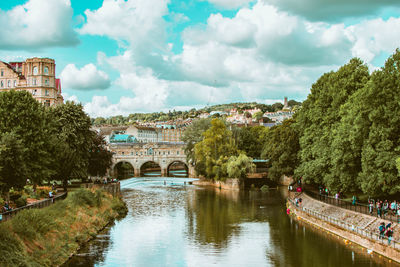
(35, 75)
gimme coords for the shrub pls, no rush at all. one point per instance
(20, 202)
(43, 191)
(82, 197)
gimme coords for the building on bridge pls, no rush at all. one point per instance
(35, 75)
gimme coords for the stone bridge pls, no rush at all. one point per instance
(137, 154)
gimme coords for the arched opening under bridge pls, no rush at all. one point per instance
(123, 170)
(150, 168)
(178, 169)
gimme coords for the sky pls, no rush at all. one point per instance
(118, 57)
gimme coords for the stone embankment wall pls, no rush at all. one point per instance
(352, 226)
(231, 184)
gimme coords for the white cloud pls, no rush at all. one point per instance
(229, 4)
(140, 22)
(372, 37)
(37, 24)
(333, 10)
(86, 78)
(262, 53)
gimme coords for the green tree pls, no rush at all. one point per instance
(251, 140)
(239, 166)
(281, 149)
(319, 118)
(213, 152)
(13, 171)
(258, 115)
(27, 119)
(192, 135)
(100, 159)
(72, 128)
(380, 99)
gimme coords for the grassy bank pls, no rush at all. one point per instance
(47, 237)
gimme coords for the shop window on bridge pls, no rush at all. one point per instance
(163, 152)
(150, 151)
(131, 153)
(137, 153)
(177, 152)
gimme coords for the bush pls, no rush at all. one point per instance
(20, 202)
(29, 223)
(43, 191)
(82, 197)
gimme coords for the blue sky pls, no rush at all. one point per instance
(124, 56)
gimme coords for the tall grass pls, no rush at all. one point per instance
(46, 237)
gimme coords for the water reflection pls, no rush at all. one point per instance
(176, 224)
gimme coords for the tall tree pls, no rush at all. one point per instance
(100, 159)
(381, 98)
(320, 116)
(24, 117)
(281, 149)
(251, 140)
(72, 128)
(192, 135)
(13, 171)
(213, 152)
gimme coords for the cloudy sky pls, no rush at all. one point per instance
(125, 56)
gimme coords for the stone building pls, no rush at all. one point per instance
(35, 75)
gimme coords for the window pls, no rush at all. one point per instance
(35, 70)
(15, 83)
(46, 70)
(46, 82)
(2, 72)
(34, 81)
(123, 153)
(34, 92)
(9, 83)
(2, 84)
(46, 92)
(137, 153)
(177, 152)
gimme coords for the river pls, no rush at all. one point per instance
(177, 224)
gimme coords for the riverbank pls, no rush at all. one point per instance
(350, 226)
(229, 184)
(49, 236)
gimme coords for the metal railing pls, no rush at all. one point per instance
(36, 205)
(357, 207)
(375, 237)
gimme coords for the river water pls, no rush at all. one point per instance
(177, 224)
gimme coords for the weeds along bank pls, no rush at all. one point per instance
(49, 236)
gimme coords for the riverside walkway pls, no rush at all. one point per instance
(355, 222)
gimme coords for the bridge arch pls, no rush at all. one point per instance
(150, 168)
(177, 168)
(123, 170)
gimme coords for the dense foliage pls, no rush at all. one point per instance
(349, 129)
(281, 149)
(42, 144)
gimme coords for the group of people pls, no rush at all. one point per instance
(386, 231)
(384, 207)
(6, 207)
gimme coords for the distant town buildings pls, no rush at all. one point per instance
(35, 75)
